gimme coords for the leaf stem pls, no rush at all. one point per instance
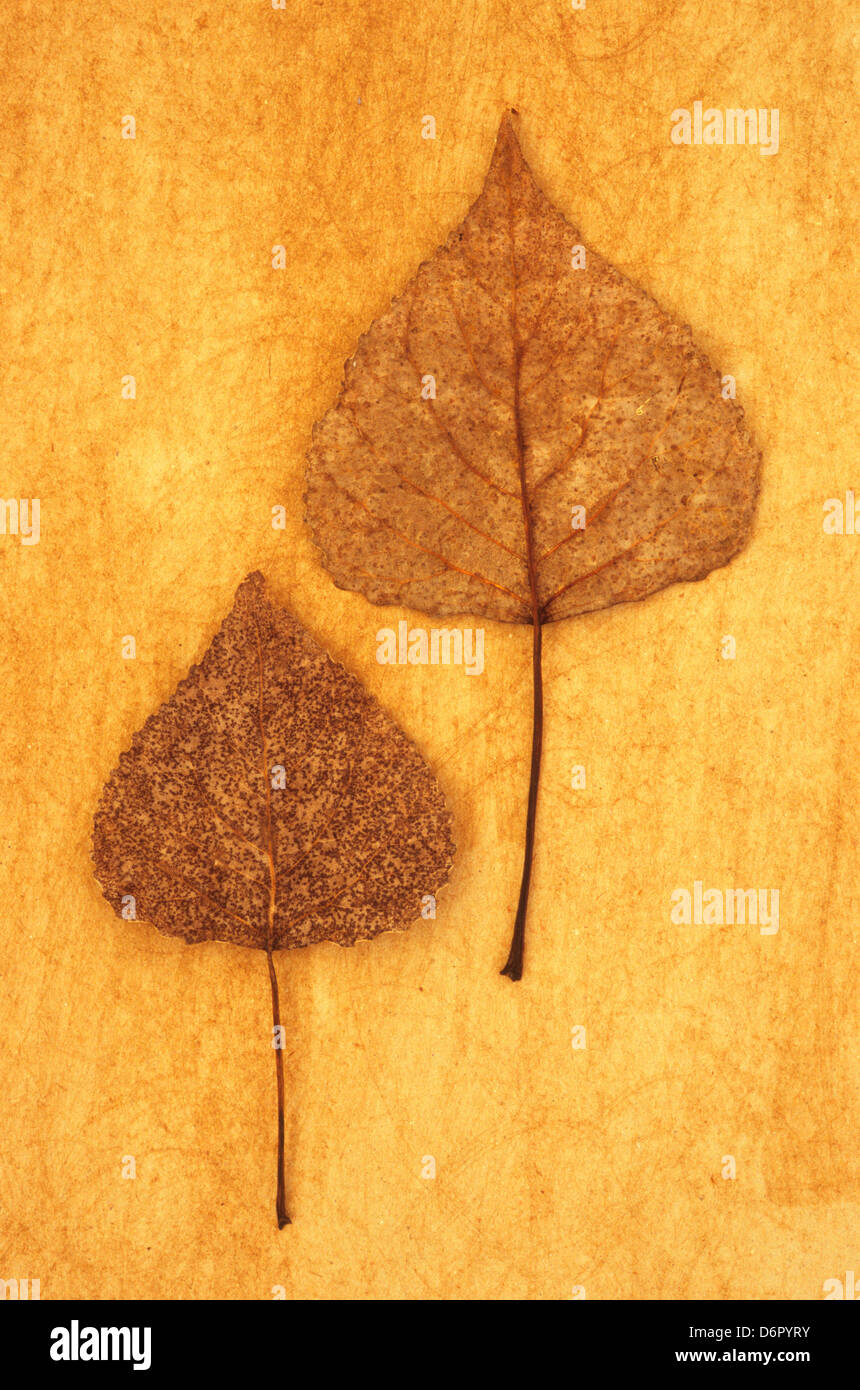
(280, 1201)
(513, 967)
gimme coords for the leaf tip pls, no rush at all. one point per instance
(507, 152)
(508, 132)
(252, 589)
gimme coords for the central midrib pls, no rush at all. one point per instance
(273, 878)
(531, 566)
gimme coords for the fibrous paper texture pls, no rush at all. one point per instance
(555, 1167)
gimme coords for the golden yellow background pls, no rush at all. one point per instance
(556, 1168)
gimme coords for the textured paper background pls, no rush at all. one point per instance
(555, 1167)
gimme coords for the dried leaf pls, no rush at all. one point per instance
(558, 385)
(272, 803)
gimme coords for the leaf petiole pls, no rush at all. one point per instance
(281, 1200)
(513, 966)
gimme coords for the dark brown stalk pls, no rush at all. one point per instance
(281, 1200)
(514, 965)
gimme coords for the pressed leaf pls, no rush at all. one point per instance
(558, 384)
(272, 803)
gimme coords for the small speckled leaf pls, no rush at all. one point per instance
(194, 824)
(559, 385)
(271, 802)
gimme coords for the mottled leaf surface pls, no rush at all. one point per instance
(520, 384)
(191, 825)
(556, 387)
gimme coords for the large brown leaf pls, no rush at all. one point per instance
(271, 802)
(557, 386)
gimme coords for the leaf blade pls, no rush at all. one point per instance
(580, 366)
(211, 853)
